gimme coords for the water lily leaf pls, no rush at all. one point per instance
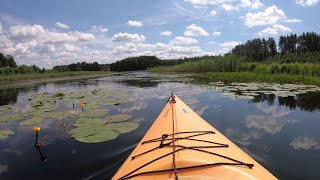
(13, 117)
(89, 122)
(5, 133)
(124, 127)
(87, 131)
(51, 115)
(99, 137)
(6, 108)
(92, 113)
(118, 118)
(34, 120)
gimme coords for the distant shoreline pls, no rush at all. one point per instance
(28, 79)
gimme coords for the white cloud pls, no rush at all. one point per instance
(26, 47)
(274, 30)
(184, 50)
(166, 33)
(307, 2)
(48, 48)
(1, 27)
(228, 7)
(194, 30)
(5, 42)
(99, 29)
(70, 48)
(62, 26)
(127, 48)
(305, 143)
(80, 36)
(207, 2)
(213, 13)
(230, 44)
(126, 37)
(184, 40)
(271, 15)
(134, 23)
(253, 4)
(216, 33)
(293, 20)
(27, 31)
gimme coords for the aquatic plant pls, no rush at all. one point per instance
(5, 133)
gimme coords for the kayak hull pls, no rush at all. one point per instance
(181, 144)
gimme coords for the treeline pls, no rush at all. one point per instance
(262, 49)
(82, 66)
(147, 62)
(8, 66)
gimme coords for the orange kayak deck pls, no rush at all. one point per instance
(181, 145)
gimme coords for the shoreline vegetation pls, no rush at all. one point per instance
(26, 79)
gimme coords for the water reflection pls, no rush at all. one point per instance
(3, 168)
(272, 121)
(304, 143)
(9, 95)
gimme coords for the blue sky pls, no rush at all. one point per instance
(48, 33)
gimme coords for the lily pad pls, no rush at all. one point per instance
(118, 118)
(93, 113)
(100, 133)
(5, 133)
(34, 120)
(6, 108)
(99, 137)
(13, 117)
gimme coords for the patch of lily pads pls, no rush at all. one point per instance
(251, 90)
(85, 110)
(96, 130)
(5, 133)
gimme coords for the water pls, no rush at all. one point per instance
(280, 133)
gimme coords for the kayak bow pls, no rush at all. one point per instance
(181, 145)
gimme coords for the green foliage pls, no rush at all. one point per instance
(34, 120)
(5, 133)
(59, 94)
(82, 66)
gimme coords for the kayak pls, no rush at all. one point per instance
(181, 145)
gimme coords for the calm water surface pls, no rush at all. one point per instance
(280, 133)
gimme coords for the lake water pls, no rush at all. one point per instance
(281, 133)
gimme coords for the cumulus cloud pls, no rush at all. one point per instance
(230, 44)
(127, 48)
(194, 30)
(70, 48)
(293, 20)
(28, 31)
(134, 23)
(1, 27)
(166, 33)
(99, 29)
(216, 33)
(48, 48)
(26, 47)
(307, 2)
(62, 26)
(304, 143)
(271, 15)
(274, 30)
(5, 42)
(253, 4)
(213, 13)
(126, 37)
(228, 7)
(206, 2)
(184, 40)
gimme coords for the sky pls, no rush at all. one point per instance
(57, 32)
